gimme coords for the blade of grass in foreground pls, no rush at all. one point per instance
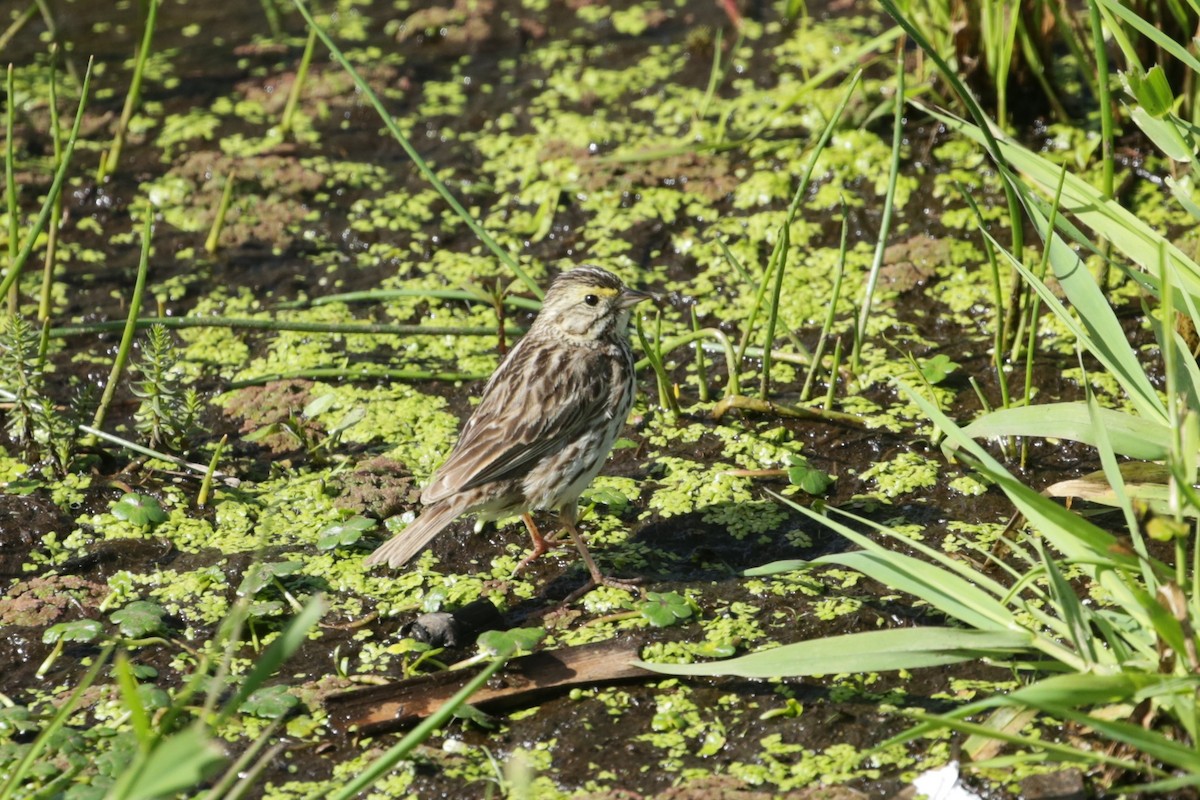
(1077, 540)
(9, 788)
(869, 651)
(1131, 436)
(398, 752)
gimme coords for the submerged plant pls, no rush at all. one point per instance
(168, 412)
(33, 422)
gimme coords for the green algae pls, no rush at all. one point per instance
(968, 485)
(905, 474)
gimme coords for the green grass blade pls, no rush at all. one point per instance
(1127, 233)
(1146, 28)
(943, 590)
(1076, 538)
(135, 308)
(388, 761)
(279, 651)
(179, 762)
(1130, 436)
(60, 176)
(1095, 326)
(870, 651)
(1066, 604)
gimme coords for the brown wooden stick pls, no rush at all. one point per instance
(526, 681)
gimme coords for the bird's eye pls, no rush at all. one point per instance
(591, 299)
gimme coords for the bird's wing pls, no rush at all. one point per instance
(537, 401)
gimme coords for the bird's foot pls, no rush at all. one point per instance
(539, 549)
(624, 584)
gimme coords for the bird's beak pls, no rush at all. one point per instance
(631, 297)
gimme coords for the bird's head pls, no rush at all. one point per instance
(589, 303)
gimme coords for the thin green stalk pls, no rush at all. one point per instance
(16, 26)
(1035, 308)
(827, 324)
(758, 290)
(933, 723)
(250, 779)
(272, 15)
(43, 346)
(977, 114)
(381, 295)
(424, 168)
(1041, 74)
(56, 216)
(794, 207)
(356, 374)
(1195, 584)
(207, 482)
(668, 385)
(1166, 322)
(754, 284)
(885, 222)
(242, 767)
(60, 177)
(701, 368)
(109, 162)
(733, 384)
(834, 372)
(1030, 350)
(10, 189)
(56, 40)
(398, 752)
(285, 121)
(1087, 65)
(135, 307)
(998, 340)
(1104, 97)
(983, 401)
(666, 398)
(134, 447)
(139, 720)
(785, 238)
(1000, 59)
(87, 329)
(714, 76)
(756, 307)
(214, 233)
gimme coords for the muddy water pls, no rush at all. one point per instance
(298, 232)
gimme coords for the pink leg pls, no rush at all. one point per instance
(540, 545)
(597, 578)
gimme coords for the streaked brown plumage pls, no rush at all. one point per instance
(546, 421)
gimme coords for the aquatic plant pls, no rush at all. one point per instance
(1100, 625)
(168, 412)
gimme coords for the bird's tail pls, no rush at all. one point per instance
(398, 550)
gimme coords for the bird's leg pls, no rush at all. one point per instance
(597, 578)
(540, 544)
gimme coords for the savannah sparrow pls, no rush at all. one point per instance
(545, 424)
